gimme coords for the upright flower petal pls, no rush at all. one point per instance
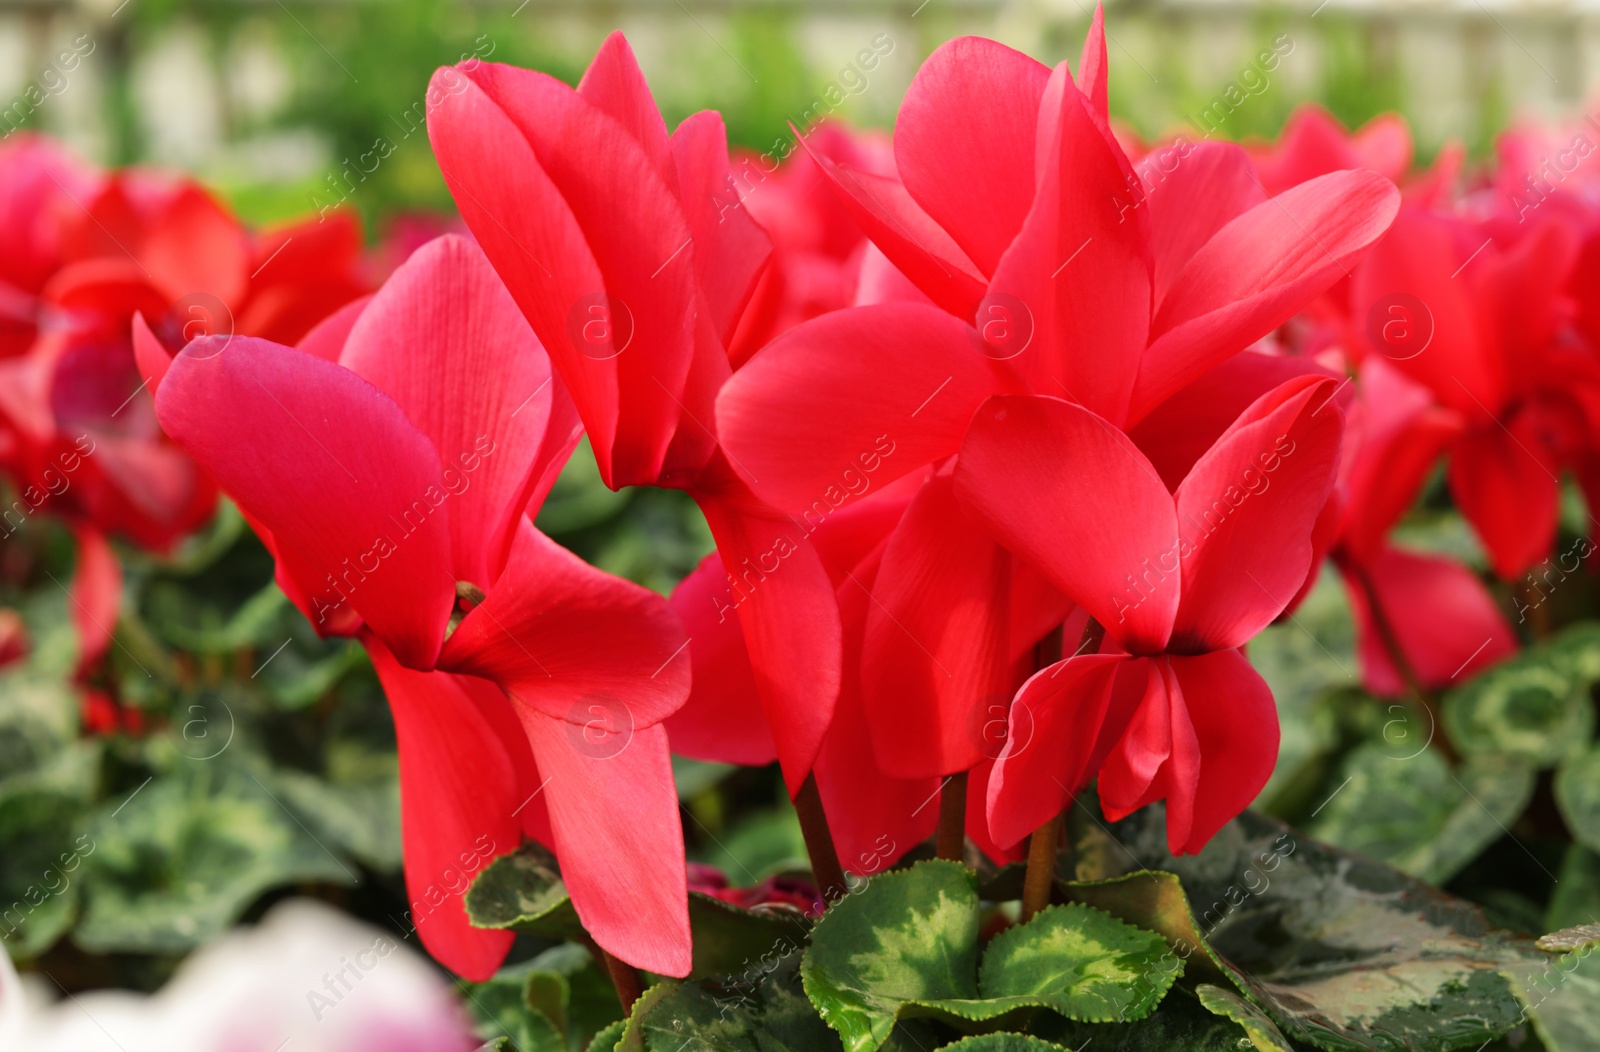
(969, 120)
(1093, 69)
(790, 619)
(919, 247)
(1256, 272)
(589, 239)
(1062, 488)
(937, 648)
(333, 468)
(1208, 186)
(444, 339)
(874, 817)
(1420, 258)
(1245, 513)
(730, 249)
(1505, 485)
(723, 720)
(1080, 266)
(614, 85)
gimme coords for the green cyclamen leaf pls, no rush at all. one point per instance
(1535, 707)
(907, 937)
(1571, 938)
(1264, 1033)
(1003, 1043)
(1082, 963)
(906, 947)
(766, 1015)
(1577, 788)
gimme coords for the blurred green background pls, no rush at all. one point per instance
(283, 102)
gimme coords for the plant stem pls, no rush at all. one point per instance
(1045, 842)
(1041, 875)
(1384, 629)
(1538, 613)
(951, 840)
(625, 977)
(825, 868)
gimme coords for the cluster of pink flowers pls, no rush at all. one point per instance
(1012, 433)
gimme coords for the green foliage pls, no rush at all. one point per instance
(1418, 814)
(559, 1000)
(769, 1015)
(522, 891)
(174, 864)
(1378, 960)
(906, 946)
(1578, 792)
(1535, 706)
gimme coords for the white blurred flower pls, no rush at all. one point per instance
(306, 979)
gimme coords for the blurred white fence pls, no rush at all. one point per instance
(1459, 64)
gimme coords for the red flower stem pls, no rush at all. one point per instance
(1045, 843)
(625, 977)
(1384, 629)
(951, 840)
(825, 868)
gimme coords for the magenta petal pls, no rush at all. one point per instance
(1246, 511)
(937, 652)
(458, 790)
(918, 246)
(562, 637)
(1051, 733)
(730, 249)
(1235, 725)
(332, 467)
(1079, 271)
(723, 720)
(968, 120)
(614, 816)
(1256, 272)
(1062, 488)
(96, 595)
(786, 607)
(444, 339)
(853, 399)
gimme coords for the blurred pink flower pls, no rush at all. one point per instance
(307, 977)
